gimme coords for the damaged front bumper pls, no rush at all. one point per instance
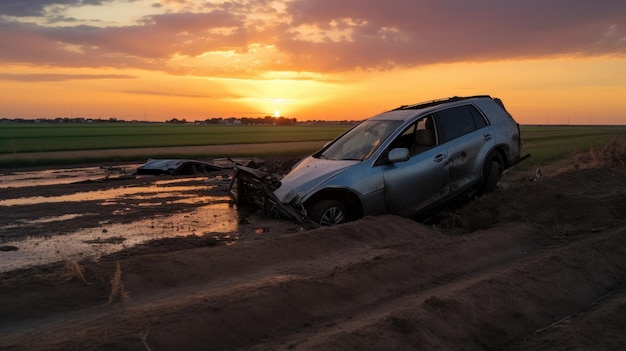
(251, 186)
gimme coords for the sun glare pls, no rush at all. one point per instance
(276, 113)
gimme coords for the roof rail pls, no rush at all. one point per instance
(437, 102)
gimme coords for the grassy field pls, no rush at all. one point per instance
(21, 138)
(546, 144)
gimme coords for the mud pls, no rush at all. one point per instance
(86, 212)
(537, 265)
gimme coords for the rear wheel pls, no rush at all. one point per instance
(328, 213)
(493, 173)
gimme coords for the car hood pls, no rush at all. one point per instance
(308, 175)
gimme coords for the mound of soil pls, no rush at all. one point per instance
(536, 266)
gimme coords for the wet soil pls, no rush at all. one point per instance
(86, 212)
(538, 265)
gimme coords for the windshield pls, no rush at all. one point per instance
(361, 141)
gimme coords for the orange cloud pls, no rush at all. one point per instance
(325, 35)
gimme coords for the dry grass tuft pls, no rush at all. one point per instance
(118, 294)
(611, 155)
(143, 337)
(73, 270)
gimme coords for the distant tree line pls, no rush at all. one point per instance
(64, 120)
(268, 120)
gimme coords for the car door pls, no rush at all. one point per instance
(468, 138)
(421, 180)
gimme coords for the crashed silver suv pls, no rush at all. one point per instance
(405, 161)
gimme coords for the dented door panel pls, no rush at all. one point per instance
(466, 156)
(416, 183)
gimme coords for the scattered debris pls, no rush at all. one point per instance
(176, 167)
(8, 248)
(538, 174)
(536, 178)
(111, 240)
(121, 174)
(110, 170)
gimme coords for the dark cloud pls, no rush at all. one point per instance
(374, 34)
(59, 77)
(23, 8)
(142, 45)
(36, 45)
(398, 32)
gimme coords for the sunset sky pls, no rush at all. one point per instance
(556, 61)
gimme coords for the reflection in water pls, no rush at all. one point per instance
(212, 215)
(65, 217)
(92, 242)
(55, 176)
(142, 192)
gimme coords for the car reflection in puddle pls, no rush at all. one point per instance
(209, 216)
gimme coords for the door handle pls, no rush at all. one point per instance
(487, 137)
(440, 157)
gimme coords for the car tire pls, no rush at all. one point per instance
(328, 213)
(493, 173)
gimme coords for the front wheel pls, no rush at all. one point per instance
(328, 213)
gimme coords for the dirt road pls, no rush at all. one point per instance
(540, 265)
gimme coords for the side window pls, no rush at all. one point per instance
(418, 137)
(455, 122)
(405, 139)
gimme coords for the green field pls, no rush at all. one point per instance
(21, 138)
(546, 144)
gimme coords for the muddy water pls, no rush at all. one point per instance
(110, 195)
(208, 214)
(109, 238)
(58, 176)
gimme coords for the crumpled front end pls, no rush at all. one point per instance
(250, 186)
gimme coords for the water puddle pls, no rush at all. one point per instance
(140, 192)
(20, 223)
(57, 176)
(109, 237)
(166, 207)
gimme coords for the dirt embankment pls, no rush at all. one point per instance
(538, 266)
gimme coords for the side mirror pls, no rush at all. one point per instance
(400, 154)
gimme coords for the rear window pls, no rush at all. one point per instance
(458, 121)
(479, 119)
